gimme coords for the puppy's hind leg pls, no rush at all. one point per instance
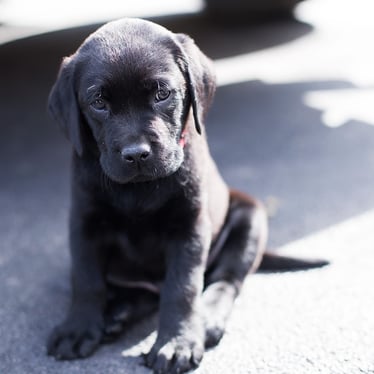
(244, 239)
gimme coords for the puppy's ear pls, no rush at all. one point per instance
(200, 78)
(63, 106)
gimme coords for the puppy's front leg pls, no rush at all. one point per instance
(179, 346)
(81, 332)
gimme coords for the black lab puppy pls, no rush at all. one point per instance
(152, 223)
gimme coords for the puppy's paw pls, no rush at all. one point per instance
(74, 339)
(178, 355)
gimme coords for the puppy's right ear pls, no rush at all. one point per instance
(63, 105)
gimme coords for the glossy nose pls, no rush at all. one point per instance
(136, 153)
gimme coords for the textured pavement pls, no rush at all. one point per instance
(292, 123)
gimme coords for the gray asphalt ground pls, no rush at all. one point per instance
(284, 88)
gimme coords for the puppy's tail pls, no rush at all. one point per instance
(273, 262)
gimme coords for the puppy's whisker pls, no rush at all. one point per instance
(102, 181)
(105, 182)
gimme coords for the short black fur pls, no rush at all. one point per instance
(152, 223)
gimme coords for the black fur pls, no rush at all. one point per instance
(152, 223)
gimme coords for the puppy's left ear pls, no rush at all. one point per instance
(63, 105)
(200, 77)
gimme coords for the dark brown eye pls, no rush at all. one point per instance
(162, 94)
(99, 104)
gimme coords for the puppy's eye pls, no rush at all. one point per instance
(162, 94)
(99, 104)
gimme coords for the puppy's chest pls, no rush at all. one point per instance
(144, 222)
(142, 239)
(139, 255)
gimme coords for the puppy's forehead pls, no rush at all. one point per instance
(127, 27)
(139, 44)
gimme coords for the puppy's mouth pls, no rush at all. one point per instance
(131, 177)
(122, 175)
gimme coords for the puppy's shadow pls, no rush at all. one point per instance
(233, 37)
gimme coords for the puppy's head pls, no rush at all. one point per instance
(126, 95)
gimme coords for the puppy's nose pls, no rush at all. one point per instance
(136, 153)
